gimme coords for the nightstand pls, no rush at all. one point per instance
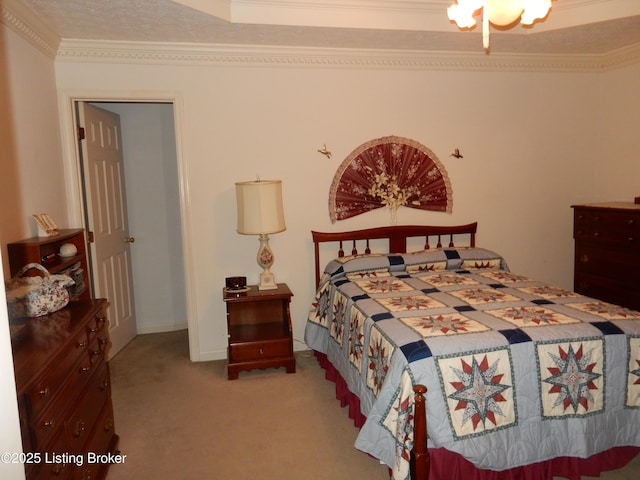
(259, 330)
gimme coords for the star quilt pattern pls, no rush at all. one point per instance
(517, 371)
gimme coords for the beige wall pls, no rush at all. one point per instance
(30, 180)
(531, 143)
(617, 167)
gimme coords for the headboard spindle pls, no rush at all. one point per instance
(395, 235)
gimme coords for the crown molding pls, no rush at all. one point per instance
(23, 21)
(28, 25)
(246, 55)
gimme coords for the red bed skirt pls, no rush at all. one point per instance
(446, 465)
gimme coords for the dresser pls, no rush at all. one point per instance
(64, 392)
(607, 252)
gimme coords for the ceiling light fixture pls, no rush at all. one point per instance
(497, 12)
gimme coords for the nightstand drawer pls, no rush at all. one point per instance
(258, 350)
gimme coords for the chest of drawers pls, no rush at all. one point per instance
(607, 252)
(64, 392)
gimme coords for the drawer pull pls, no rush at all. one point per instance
(84, 369)
(261, 351)
(104, 385)
(596, 234)
(49, 423)
(584, 258)
(108, 425)
(79, 429)
(44, 392)
(81, 345)
(631, 239)
(56, 470)
(630, 221)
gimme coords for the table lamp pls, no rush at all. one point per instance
(260, 213)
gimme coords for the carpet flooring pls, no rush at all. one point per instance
(183, 420)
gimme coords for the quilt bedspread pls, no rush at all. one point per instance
(517, 371)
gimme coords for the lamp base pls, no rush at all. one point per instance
(265, 260)
(267, 281)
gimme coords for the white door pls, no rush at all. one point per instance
(106, 210)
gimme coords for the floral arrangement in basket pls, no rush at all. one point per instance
(386, 188)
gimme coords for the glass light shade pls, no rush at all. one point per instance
(497, 12)
(503, 12)
(534, 9)
(260, 207)
(462, 12)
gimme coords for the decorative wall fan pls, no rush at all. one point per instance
(389, 172)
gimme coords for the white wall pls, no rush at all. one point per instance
(10, 439)
(529, 141)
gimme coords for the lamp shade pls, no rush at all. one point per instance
(260, 207)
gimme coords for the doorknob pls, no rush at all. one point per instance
(129, 239)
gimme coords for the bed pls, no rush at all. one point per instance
(518, 379)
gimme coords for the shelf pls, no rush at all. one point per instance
(257, 332)
(44, 250)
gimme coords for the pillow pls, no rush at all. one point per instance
(472, 258)
(426, 260)
(452, 259)
(357, 264)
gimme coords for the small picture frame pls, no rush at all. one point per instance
(46, 226)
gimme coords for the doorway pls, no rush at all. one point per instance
(156, 212)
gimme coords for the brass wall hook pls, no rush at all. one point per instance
(324, 151)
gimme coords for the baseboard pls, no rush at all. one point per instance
(172, 327)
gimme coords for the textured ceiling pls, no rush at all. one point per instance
(576, 30)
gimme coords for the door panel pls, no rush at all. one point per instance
(106, 208)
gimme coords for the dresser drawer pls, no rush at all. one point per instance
(52, 417)
(44, 389)
(52, 464)
(101, 442)
(48, 425)
(260, 350)
(621, 266)
(607, 290)
(80, 423)
(612, 226)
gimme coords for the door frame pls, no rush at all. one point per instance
(73, 178)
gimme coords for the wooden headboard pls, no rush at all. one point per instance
(397, 238)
